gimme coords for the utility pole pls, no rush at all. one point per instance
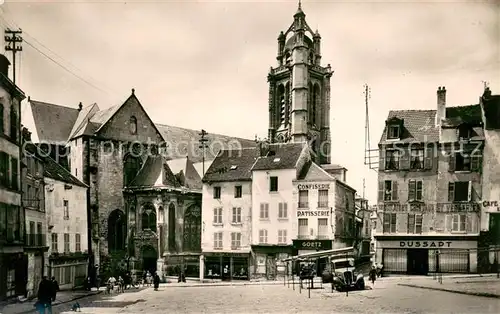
(203, 144)
(12, 38)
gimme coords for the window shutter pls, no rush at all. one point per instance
(394, 190)
(381, 191)
(404, 159)
(387, 222)
(419, 191)
(451, 163)
(476, 162)
(468, 224)
(451, 192)
(448, 222)
(411, 190)
(381, 160)
(469, 192)
(428, 157)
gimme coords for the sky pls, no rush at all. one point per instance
(203, 64)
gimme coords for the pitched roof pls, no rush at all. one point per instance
(199, 166)
(185, 172)
(232, 165)
(56, 124)
(182, 142)
(155, 173)
(53, 123)
(280, 156)
(313, 172)
(52, 169)
(420, 125)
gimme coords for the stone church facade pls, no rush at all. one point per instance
(144, 200)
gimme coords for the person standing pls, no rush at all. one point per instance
(55, 288)
(373, 275)
(156, 281)
(45, 295)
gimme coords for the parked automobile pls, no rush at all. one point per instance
(342, 275)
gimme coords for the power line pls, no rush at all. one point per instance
(12, 39)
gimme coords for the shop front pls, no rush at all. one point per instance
(308, 246)
(226, 266)
(174, 264)
(425, 254)
(266, 260)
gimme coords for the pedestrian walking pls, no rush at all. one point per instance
(373, 275)
(156, 281)
(45, 295)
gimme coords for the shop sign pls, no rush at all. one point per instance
(226, 254)
(425, 244)
(312, 244)
(491, 206)
(313, 213)
(314, 186)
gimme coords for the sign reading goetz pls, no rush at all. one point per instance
(312, 244)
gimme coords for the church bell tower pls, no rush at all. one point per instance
(299, 90)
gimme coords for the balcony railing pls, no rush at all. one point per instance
(323, 237)
(468, 207)
(302, 237)
(35, 239)
(322, 204)
(32, 203)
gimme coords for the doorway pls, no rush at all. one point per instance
(418, 261)
(149, 259)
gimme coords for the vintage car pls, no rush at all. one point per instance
(342, 275)
(307, 271)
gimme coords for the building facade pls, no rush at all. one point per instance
(363, 228)
(227, 213)
(34, 207)
(12, 259)
(429, 189)
(299, 91)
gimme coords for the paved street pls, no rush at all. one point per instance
(386, 297)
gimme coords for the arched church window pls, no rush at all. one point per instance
(131, 166)
(148, 217)
(314, 104)
(311, 58)
(288, 58)
(192, 229)
(281, 104)
(171, 227)
(117, 231)
(287, 102)
(133, 125)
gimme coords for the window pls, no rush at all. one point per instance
(264, 211)
(218, 240)
(393, 132)
(389, 222)
(304, 199)
(273, 184)
(417, 159)
(263, 236)
(216, 192)
(14, 130)
(322, 227)
(415, 223)
(66, 209)
(2, 131)
(465, 161)
(464, 132)
(54, 243)
(392, 159)
(459, 222)
(14, 173)
(236, 215)
(218, 215)
(303, 228)
(66, 243)
(132, 163)
(388, 190)
(235, 240)
(133, 125)
(78, 247)
(281, 236)
(237, 191)
(282, 211)
(460, 191)
(414, 190)
(148, 217)
(462, 162)
(322, 198)
(4, 169)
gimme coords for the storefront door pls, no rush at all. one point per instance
(271, 267)
(418, 261)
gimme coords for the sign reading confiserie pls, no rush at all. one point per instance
(313, 186)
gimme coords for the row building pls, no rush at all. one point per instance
(436, 174)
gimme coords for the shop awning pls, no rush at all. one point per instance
(348, 251)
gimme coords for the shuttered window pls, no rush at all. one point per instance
(415, 190)
(389, 223)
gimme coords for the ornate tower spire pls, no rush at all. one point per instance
(299, 100)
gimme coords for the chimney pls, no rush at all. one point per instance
(441, 105)
(4, 65)
(80, 106)
(264, 148)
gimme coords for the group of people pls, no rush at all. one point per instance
(122, 283)
(47, 291)
(375, 272)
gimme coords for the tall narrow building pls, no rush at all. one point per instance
(299, 90)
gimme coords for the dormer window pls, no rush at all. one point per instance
(393, 132)
(464, 132)
(133, 125)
